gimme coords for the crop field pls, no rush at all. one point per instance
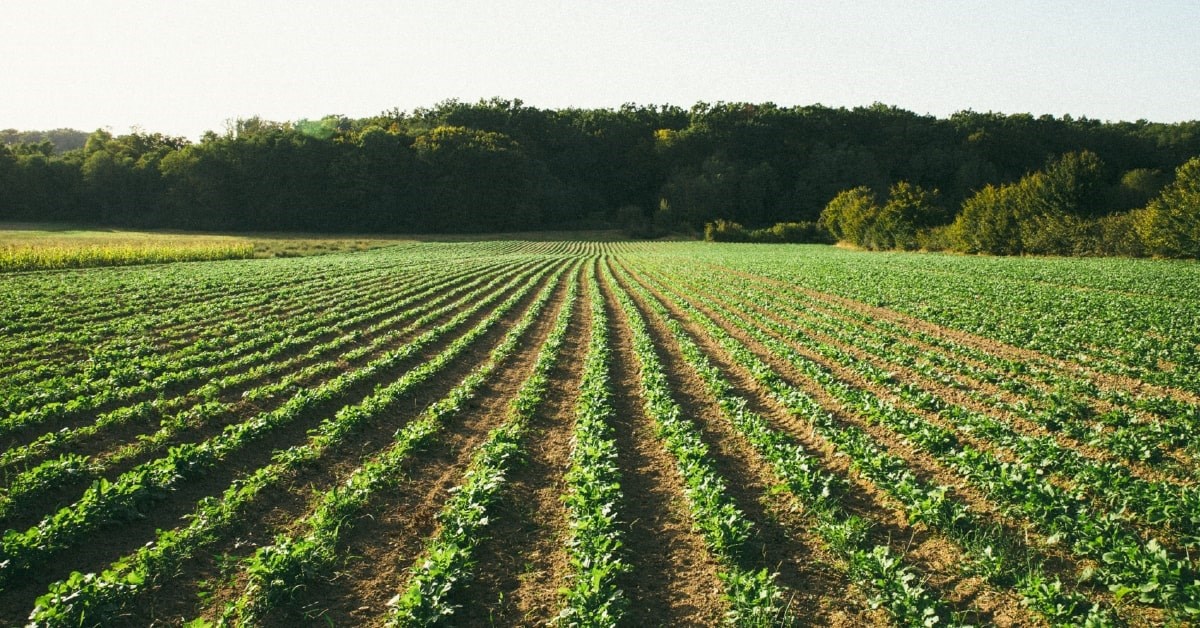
(31, 246)
(583, 433)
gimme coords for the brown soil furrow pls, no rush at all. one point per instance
(188, 390)
(110, 440)
(245, 407)
(939, 557)
(120, 540)
(258, 294)
(961, 398)
(248, 409)
(25, 434)
(522, 563)
(976, 442)
(1110, 381)
(382, 545)
(673, 578)
(1171, 473)
(781, 543)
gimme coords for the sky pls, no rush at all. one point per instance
(183, 67)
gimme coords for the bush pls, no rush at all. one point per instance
(1170, 225)
(850, 214)
(805, 232)
(989, 222)
(935, 238)
(1115, 235)
(854, 216)
(725, 231)
(779, 233)
(1048, 212)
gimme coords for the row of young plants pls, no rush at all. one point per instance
(1066, 404)
(120, 341)
(134, 490)
(1153, 502)
(593, 498)
(989, 552)
(91, 598)
(1135, 333)
(1068, 407)
(1124, 561)
(149, 312)
(444, 567)
(250, 342)
(275, 574)
(28, 486)
(214, 387)
(893, 584)
(99, 296)
(212, 384)
(65, 376)
(752, 594)
(1055, 382)
(66, 396)
(118, 345)
(1113, 486)
(100, 308)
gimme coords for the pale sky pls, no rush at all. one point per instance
(185, 66)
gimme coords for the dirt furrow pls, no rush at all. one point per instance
(673, 580)
(277, 313)
(1110, 381)
(937, 556)
(381, 546)
(110, 439)
(961, 398)
(122, 539)
(522, 564)
(961, 391)
(782, 543)
(245, 410)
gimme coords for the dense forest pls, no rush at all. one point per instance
(499, 165)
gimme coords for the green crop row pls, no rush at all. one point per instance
(1155, 503)
(1126, 563)
(988, 553)
(893, 584)
(70, 467)
(255, 342)
(446, 563)
(90, 597)
(1067, 406)
(275, 572)
(593, 499)
(134, 490)
(123, 346)
(753, 596)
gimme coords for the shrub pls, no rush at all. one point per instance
(1115, 235)
(854, 216)
(781, 232)
(805, 232)
(1045, 212)
(725, 231)
(850, 213)
(1170, 225)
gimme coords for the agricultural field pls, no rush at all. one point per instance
(31, 246)
(601, 433)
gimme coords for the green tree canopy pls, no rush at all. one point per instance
(1170, 224)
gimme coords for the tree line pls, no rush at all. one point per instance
(500, 165)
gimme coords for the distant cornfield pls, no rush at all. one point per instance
(42, 256)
